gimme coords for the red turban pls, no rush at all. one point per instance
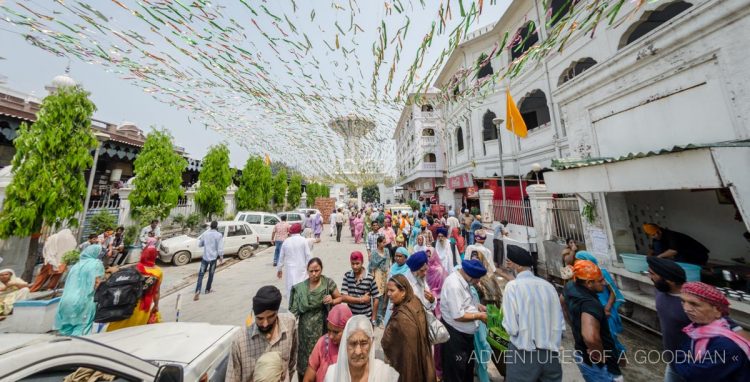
(356, 256)
(295, 228)
(708, 294)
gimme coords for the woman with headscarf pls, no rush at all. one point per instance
(326, 350)
(414, 234)
(75, 312)
(378, 266)
(420, 244)
(147, 309)
(399, 267)
(611, 298)
(12, 289)
(359, 227)
(458, 241)
(310, 302)
(356, 361)
(413, 358)
(436, 275)
(352, 216)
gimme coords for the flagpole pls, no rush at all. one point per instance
(498, 122)
(523, 201)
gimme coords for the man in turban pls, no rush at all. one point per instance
(294, 255)
(715, 351)
(444, 250)
(533, 318)
(677, 246)
(594, 344)
(266, 330)
(417, 264)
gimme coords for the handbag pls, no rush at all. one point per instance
(438, 333)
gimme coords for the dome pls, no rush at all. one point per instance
(63, 80)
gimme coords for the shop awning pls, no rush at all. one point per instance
(681, 167)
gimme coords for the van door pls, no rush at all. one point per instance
(269, 221)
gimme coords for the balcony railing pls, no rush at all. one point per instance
(429, 166)
(429, 140)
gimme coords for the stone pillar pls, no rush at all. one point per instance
(540, 200)
(458, 200)
(125, 208)
(485, 205)
(359, 196)
(230, 207)
(303, 200)
(190, 195)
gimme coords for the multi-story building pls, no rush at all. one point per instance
(420, 150)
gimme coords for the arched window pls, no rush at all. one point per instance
(558, 9)
(534, 109)
(485, 69)
(526, 36)
(489, 131)
(428, 133)
(652, 20)
(460, 139)
(575, 69)
(429, 158)
(427, 107)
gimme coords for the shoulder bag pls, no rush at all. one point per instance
(438, 332)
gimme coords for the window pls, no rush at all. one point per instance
(270, 220)
(460, 139)
(525, 37)
(59, 373)
(575, 69)
(429, 158)
(489, 131)
(534, 110)
(485, 69)
(252, 218)
(427, 107)
(558, 10)
(652, 20)
(236, 230)
(428, 133)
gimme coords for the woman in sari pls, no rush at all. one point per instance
(147, 309)
(436, 275)
(413, 358)
(379, 264)
(12, 289)
(310, 301)
(326, 350)
(459, 241)
(611, 298)
(356, 361)
(359, 227)
(75, 313)
(413, 235)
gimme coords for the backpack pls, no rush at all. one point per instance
(118, 295)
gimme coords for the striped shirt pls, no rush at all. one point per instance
(358, 288)
(372, 240)
(532, 314)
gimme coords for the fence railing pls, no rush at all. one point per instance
(104, 204)
(429, 166)
(514, 211)
(183, 209)
(565, 219)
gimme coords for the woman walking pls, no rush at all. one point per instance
(436, 275)
(326, 350)
(147, 309)
(75, 313)
(310, 302)
(413, 358)
(359, 227)
(378, 268)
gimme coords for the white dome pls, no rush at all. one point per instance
(62, 81)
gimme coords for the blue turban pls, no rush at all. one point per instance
(403, 251)
(416, 260)
(442, 231)
(473, 268)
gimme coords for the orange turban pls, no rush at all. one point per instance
(650, 229)
(586, 270)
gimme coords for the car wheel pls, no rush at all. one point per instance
(245, 252)
(181, 258)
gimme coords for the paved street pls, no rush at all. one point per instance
(236, 283)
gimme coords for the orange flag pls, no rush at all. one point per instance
(267, 161)
(513, 120)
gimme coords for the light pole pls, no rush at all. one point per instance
(100, 138)
(536, 167)
(497, 122)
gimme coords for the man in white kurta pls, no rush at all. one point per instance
(294, 255)
(443, 248)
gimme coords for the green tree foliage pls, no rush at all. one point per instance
(295, 191)
(279, 189)
(48, 168)
(254, 191)
(326, 191)
(101, 221)
(371, 193)
(215, 177)
(158, 170)
(311, 189)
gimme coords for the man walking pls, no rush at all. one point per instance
(339, 224)
(212, 242)
(372, 238)
(534, 321)
(279, 234)
(460, 311)
(467, 220)
(266, 330)
(359, 289)
(295, 253)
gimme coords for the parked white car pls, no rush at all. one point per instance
(262, 223)
(292, 216)
(239, 238)
(167, 352)
(306, 210)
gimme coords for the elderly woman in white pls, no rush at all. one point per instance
(356, 361)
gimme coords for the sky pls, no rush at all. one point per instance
(281, 108)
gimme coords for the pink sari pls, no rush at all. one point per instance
(436, 275)
(359, 227)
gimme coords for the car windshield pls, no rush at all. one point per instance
(204, 229)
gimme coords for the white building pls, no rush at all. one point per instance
(651, 118)
(420, 150)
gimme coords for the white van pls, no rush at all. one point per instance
(261, 222)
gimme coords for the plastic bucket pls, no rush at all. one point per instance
(692, 271)
(634, 262)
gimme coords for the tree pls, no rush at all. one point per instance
(254, 191)
(295, 191)
(158, 170)
(326, 191)
(52, 154)
(279, 189)
(312, 192)
(215, 177)
(371, 193)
